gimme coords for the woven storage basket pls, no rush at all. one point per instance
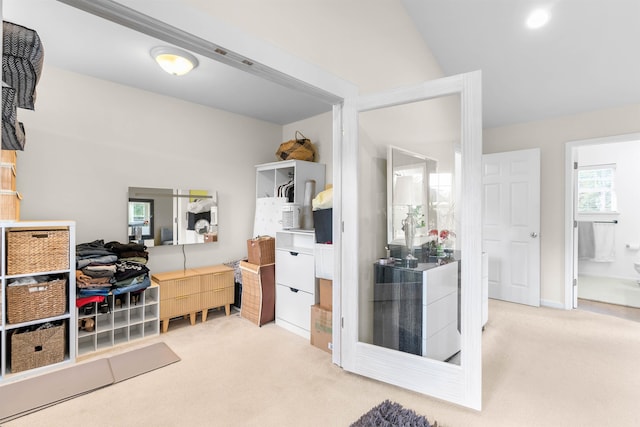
(10, 205)
(37, 301)
(261, 250)
(7, 176)
(34, 349)
(8, 156)
(251, 293)
(34, 251)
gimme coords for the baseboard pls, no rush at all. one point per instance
(551, 304)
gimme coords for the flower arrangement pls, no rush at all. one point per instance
(439, 238)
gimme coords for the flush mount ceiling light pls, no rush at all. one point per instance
(174, 61)
(538, 18)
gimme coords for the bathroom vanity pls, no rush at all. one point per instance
(417, 309)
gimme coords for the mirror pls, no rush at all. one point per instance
(410, 203)
(164, 216)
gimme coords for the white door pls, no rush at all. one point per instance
(455, 99)
(511, 224)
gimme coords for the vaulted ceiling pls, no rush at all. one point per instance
(586, 58)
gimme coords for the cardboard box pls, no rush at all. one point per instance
(261, 250)
(326, 294)
(321, 328)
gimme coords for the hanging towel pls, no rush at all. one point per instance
(604, 238)
(586, 242)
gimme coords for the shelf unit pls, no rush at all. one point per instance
(296, 283)
(68, 317)
(128, 320)
(270, 176)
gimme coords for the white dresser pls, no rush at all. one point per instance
(296, 284)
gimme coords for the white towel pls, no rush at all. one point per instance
(604, 239)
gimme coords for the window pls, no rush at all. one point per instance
(596, 189)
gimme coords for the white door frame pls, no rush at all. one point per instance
(570, 285)
(458, 384)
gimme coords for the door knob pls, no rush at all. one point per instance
(533, 234)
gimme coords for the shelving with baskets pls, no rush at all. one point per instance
(37, 289)
(124, 318)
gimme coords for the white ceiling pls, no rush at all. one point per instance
(585, 59)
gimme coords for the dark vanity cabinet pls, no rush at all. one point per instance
(416, 309)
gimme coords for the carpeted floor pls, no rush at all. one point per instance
(541, 367)
(42, 391)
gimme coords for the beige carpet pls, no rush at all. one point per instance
(50, 388)
(542, 367)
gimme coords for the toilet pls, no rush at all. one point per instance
(636, 265)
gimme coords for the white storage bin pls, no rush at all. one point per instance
(324, 261)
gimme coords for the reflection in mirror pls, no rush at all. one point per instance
(163, 216)
(409, 300)
(410, 211)
(140, 219)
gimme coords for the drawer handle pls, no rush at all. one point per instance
(294, 253)
(293, 290)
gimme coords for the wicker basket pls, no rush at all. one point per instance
(10, 205)
(37, 250)
(38, 348)
(251, 293)
(7, 176)
(262, 250)
(258, 293)
(8, 156)
(37, 301)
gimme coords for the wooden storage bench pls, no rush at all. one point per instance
(187, 292)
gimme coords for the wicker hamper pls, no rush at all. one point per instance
(36, 301)
(37, 250)
(37, 348)
(258, 293)
(261, 250)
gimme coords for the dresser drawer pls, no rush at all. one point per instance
(217, 298)
(294, 307)
(212, 282)
(442, 313)
(179, 288)
(179, 306)
(296, 270)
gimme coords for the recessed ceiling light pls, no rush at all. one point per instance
(174, 61)
(538, 18)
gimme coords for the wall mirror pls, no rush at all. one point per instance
(166, 216)
(409, 200)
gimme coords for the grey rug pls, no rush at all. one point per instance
(391, 414)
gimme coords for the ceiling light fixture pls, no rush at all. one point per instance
(538, 18)
(174, 61)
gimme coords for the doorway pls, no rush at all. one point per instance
(604, 241)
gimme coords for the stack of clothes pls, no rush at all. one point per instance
(111, 269)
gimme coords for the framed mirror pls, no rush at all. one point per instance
(410, 203)
(167, 216)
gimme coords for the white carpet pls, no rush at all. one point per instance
(609, 290)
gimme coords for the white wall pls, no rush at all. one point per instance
(89, 140)
(551, 136)
(626, 157)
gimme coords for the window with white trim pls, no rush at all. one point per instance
(596, 189)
